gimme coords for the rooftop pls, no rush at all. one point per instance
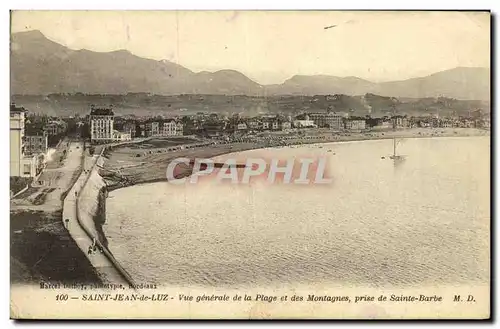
(14, 108)
(101, 111)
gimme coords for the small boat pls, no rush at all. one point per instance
(394, 156)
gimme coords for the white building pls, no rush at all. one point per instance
(355, 124)
(285, 125)
(21, 165)
(172, 128)
(119, 136)
(241, 126)
(101, 125)
(304, 124)
(400, 122)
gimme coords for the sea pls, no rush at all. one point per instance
(379, 223)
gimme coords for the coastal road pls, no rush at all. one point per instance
(101, 263)
(57, 178)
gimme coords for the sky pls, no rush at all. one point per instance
(272, 46)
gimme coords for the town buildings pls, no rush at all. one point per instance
(254, 123)
(270, 124)
(101, 125)
(172, 128)
(214, 128)
(55, 127)
(304, 123)
(130, 127)
(355, 124)
(155, 128)
(382, 124)
(148, 128)
(241, 126)
(285, 125)
(142, 130)
(36, 144)
(330, 120)
(21, 164)
(400, 122)
(179, 129)
(119, 136)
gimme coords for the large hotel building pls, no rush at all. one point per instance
(101, 125)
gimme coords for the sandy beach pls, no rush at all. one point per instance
(147, 161)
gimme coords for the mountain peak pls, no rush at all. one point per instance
(35, 44)
(120, 72)
(229, 72)
(32, 34)
(121, 52)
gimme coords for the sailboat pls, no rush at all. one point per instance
(394, 156)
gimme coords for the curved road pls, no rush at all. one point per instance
(101, 263)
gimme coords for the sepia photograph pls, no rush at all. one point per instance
(233, 164)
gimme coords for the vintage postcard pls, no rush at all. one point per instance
(250, 165)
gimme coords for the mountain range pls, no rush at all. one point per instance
(40, 66)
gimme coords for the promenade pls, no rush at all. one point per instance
(106, 270)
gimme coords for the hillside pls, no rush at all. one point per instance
(144, 104)
(40, 66)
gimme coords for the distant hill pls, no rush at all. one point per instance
(322, 85)
(460, 83)
(40, 66)
(144, 104)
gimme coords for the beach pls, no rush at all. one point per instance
(377, 223)
(134, 164)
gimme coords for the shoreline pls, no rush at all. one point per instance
(145, 174)
(100, 217)
(453, 137)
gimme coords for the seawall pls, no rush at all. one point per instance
(92, 201)
(90, 211)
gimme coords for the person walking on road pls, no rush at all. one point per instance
(94, 245)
